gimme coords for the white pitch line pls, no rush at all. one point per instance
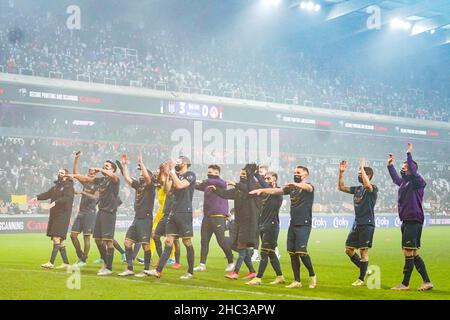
(181, 285)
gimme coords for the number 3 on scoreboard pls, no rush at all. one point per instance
(182, 109)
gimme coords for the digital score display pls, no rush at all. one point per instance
(192, 110)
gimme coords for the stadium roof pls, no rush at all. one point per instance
(427, 15)
(341, 25)
(340, 22)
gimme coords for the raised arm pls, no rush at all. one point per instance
(168, 185)
(302, 185)
(177, 183)
(392, 172)
(262, 181)
(269, 191)
(364, 176)
(109, 174)
(75, 162)
(341, 186)
(145, 174)
(419, 181)
(125, 171)
(82, 178)
(165, 177)
(200, 185)
(229, 194)
(45, 195)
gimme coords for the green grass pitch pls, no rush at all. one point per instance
(21, 276)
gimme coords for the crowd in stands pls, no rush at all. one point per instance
(35, 143)
(113, 53)
(151, 131)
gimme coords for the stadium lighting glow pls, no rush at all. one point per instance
(309, 6)
(397, 23)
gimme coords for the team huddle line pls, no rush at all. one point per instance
(257, 201)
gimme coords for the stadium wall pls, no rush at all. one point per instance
(36, 91)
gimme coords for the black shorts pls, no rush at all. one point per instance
(84, 222)
(360, 237)
(297, 239)
(180, 224)
(105, 225)
(269, 236)
(411, 234)
(160, 230)
(140, 230)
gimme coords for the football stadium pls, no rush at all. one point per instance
(224, 150)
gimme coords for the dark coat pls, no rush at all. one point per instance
(62, 193)
(247, 208)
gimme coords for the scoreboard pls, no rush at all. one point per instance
(276, 117)
(191, 109)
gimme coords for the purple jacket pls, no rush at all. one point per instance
(212, 203)
(410, 193)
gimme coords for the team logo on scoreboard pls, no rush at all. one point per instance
(191, 109)
(214, 112)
